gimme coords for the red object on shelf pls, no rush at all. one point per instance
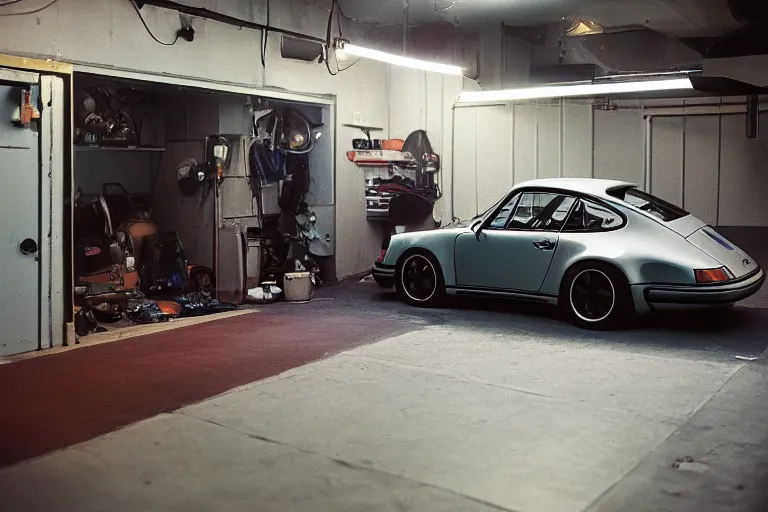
(379, 157)
(393, 144)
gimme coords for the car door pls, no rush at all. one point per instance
(513, 251)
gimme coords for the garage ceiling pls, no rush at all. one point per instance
(678, 18)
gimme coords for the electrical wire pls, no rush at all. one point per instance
(264, 37)
(9, 2)
(33, 11)
(329, 41)
(138, 13)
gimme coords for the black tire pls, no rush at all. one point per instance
(596, 296)
(419, 280)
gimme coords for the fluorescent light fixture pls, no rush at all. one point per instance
(575, 90)
(397, 60)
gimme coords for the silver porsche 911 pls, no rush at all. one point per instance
(601, 250)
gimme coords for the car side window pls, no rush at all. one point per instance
(589, 216)
(539, 211)
(503, 216)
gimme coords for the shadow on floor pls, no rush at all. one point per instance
(734, 331)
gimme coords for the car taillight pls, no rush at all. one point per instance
(712, 275)
(381, 256)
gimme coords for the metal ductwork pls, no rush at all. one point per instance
(749, 40)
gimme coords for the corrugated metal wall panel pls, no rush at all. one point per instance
(465, 163)
(702, 155)
(578, 141)
(619, 148)
(548, 141)
(525, 143)
(743, 174)
(493, 155)
(667, 159)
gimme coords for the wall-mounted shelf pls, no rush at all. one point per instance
(379, 157)
(118, 148)
(364, 127)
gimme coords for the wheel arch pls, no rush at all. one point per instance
(423, 251)
(587, 261)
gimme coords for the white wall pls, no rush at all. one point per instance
(108, 33)
(499, 146)
(423, 101)
(703, 163)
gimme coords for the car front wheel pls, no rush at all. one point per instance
(419, 280)
(596, 296)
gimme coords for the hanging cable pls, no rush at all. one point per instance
(264, 37)
(338, 21)
(138, 12)
(33, 11)
(9, 2)
(329, 40)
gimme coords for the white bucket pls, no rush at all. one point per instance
(297, 286)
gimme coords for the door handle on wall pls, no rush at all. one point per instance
(544, 245)
(28, 246)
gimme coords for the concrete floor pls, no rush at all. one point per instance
(483, 406)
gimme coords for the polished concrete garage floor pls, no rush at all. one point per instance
(482, 406)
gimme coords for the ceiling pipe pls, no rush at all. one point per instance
(201, 12)
(406, 22)
(753, 117)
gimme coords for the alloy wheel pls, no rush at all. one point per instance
(419, 278)
(592, 296)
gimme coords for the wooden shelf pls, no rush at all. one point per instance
(119, 148)
(364, 127)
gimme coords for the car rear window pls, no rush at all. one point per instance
(657, 207)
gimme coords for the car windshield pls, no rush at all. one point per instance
(659, 208)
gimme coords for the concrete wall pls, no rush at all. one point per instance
(108, 33)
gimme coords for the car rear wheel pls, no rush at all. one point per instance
(419, 280)
(596, 296)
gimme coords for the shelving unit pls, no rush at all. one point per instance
(366, 129)
(119, 148)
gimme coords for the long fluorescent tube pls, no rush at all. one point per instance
(568, 91)
(398, 60)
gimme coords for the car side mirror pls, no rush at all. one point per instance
(477, 228)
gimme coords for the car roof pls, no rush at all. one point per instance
(588, 186)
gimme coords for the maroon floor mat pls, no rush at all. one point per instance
(54, 401)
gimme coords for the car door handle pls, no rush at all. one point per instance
(544, 245)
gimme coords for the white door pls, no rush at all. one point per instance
(19, 220)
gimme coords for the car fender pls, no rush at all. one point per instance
(440, 243)
(658, 256)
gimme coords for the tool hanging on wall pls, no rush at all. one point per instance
(222, 157)
(27, 111)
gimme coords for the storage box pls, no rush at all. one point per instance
(297, 286)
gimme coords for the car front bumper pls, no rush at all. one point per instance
(705, 295)
(384, 275)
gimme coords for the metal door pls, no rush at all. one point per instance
(19, 220)
(504, 260)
